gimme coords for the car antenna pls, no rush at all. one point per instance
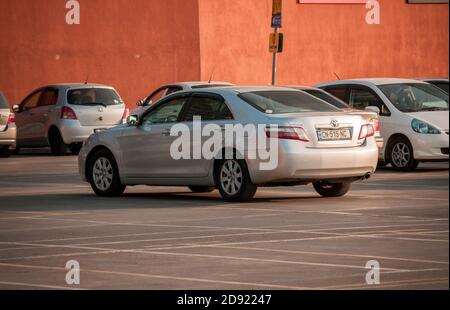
(86, 81)
(337, 76)
(211, 77)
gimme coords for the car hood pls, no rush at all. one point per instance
(436, 118)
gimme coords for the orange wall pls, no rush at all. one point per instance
(412, 41)
(137, 45)
(133, 45)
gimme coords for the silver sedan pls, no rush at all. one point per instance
(299, 140)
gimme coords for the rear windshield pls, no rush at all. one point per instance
(283, 102)
(3, 102)
(328, 98)
(93, 96)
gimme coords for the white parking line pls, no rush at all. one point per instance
(44, 286)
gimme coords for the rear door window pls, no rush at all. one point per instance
(49, 97)
(93, 96)
(208, 108)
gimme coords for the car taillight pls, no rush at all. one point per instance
(68, 113)
(288, 133)
(126, 113)
(376, 124)
(11, 119)
(366, 132)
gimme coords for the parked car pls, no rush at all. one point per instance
(7, 128)
(317, 143)
(62, 116)
(441, 83)
(372, 117)
(414, 117)
(166, 90)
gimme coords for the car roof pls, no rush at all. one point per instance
(372, 81)
(443, 80)
(76, 85)
(187, 85)
(248, 89)
(302, 87)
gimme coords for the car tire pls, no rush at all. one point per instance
(326, 189)
(16, 151)
(5, 152)
(401, 155)
(382, 164)
(75, 148)
(233, 181)
(201, 189)
(103, 175)
(57, 145)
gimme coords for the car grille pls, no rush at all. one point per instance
(445, 151)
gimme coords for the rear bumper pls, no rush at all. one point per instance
(300, 164)
(73, 132)
(9, 136)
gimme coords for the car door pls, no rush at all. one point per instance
(26, 120)
(43, 112)
(211, 109)
(146, 147)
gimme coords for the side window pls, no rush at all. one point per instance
(49, 97)
(155, 96)
(339, 92)
(32, 101)
(167, 112)
(360, 99)
(208, 108)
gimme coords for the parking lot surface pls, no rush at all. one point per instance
(169, 238)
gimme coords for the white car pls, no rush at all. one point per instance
(414, 117)
(313, 142)
(168, 89)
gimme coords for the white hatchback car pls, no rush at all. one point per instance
(414, 117)
(64, 115)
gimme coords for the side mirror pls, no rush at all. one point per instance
(373, 109)
(132, 120)
(16, 108)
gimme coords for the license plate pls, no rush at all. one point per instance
(334, 134)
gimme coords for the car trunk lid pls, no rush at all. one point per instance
(329, 130)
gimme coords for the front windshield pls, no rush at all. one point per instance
(416, 97)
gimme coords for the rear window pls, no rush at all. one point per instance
(284, 102)
(93, 96)
(328, 98)
(3, 102)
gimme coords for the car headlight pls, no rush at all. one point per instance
(425, 128)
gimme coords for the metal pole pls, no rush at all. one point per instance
(274, 64)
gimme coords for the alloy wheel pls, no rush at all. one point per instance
(102, 173)
(401, 155)
(231, 177)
